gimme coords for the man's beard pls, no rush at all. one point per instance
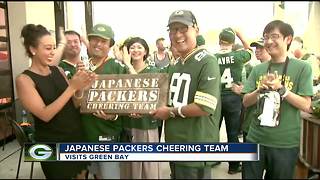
(71, 54)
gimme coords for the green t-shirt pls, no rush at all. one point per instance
(146, 122)
(69, 68)
(196, 81)
(94, 126)
(299, 81)
(231, 65)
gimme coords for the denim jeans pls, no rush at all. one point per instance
(230, 111)
(279, 163)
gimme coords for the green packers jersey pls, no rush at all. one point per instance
(94, 126)
(298, 80)
(197, 80)
(231, 64)
(68, 67)
(146, 122)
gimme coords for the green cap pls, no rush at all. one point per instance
(200, 40)
(103, 31)
(258, 43)
(227, 35)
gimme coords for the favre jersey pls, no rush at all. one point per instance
(231, 65)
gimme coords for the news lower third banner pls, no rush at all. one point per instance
(142, 152)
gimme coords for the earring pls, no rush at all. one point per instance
(33, 53)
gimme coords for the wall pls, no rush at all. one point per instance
(38, 13)
(312, 34)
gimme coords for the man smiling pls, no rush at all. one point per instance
(194, 112)
(292, 80)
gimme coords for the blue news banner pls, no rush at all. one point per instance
(142, 152)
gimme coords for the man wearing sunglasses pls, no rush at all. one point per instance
(194, 110)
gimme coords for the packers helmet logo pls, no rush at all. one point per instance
(179, 12)
(101, 29)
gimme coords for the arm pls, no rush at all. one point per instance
(190, 110)
(242, 39)
(60, 48)
(83, 37)
(127, 60)
(250, 99)
(301, 102)
(33, 102)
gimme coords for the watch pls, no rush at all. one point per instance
(282, 91)
(172, 114)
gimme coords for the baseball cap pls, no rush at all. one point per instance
(102, 30)
(258, 43)
(200, 40)
(182, 16)
(227, 35)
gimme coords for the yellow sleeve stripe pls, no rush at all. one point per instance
(205, 100)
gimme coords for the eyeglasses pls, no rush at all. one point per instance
(181, 29)
(273, 37)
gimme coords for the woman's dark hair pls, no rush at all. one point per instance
(31, 34)
(142, 42)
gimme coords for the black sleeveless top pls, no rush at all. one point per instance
(65, 125)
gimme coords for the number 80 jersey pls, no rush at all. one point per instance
(196, 80)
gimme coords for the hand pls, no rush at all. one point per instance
(237, 31)
(82, 79)
(80, 66)
(236, 88)
(161, 113)
(263, 85)
(273, 81)
(135, 115)
(101, 114)
(126, 57)
(117, 53)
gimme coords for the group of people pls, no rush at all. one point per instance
(204, 89)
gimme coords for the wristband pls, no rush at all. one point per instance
(171, 113)
(78, 97)
(180, 112)
(115, 118)
(285, 94)
(283, 91)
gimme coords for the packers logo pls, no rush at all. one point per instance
(179, 12)
(40, 151)
(101, 29)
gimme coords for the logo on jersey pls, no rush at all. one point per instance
(200, 55)
(67, 73)
(211, 78)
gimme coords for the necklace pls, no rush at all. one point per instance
(96, 66)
